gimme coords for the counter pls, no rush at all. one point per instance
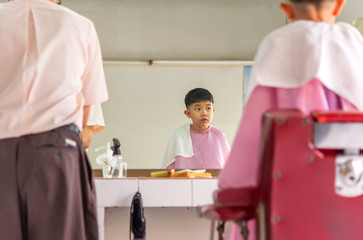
(167, 196)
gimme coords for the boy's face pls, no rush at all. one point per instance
(201, 114)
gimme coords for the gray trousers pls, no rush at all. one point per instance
(46, 188)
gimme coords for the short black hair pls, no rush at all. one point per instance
(317, 2)
(197, 95)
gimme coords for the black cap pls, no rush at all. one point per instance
(116, 147)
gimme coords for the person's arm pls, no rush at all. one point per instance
(95, 124)
(86, 110)
(87, 133)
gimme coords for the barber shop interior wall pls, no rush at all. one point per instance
(186, 29)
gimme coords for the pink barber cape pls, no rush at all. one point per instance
(209, 149)
(242, 164)
(304, 65)
(241, 167)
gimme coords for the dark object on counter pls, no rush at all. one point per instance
(137, 219)
(116, 147)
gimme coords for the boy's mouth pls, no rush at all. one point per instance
(204, 120)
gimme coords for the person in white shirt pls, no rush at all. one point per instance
(51, 73)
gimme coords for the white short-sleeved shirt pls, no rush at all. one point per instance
(95, 119)
(50, 64)
(303, 50)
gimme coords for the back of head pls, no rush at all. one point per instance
(197, 95)
(316, 2)
(309, 1)
(313, 10)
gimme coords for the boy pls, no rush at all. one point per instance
(197, 145)
(310, 64)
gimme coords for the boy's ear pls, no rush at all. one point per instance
(187, 113)
(339, 4)
(288, 10)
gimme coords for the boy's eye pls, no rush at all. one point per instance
(209, 108)
(197, 109)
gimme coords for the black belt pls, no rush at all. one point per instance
(73, 128)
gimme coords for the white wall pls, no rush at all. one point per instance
(186, 29)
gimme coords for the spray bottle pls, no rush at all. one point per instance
(118, 165)
(104, 159)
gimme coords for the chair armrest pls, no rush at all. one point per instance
(236, 197)
(213, 212)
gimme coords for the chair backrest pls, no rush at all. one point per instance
(307, 190)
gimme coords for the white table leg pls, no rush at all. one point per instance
(101, 222)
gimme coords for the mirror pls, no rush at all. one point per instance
(172, 30)
(147, 104)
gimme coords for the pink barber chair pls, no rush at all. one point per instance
(311, 180)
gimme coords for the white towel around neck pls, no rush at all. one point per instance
(303, 50)
(180, 144)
